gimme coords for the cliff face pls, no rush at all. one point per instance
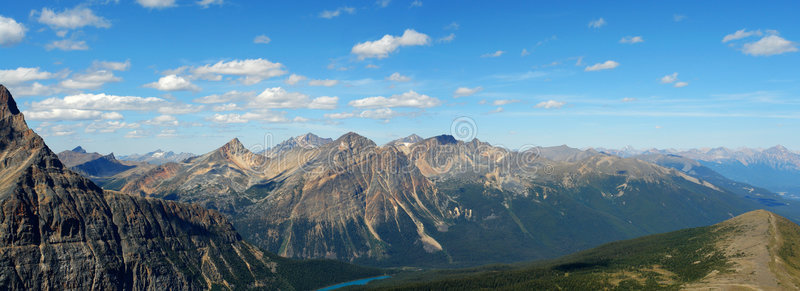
(58, 230)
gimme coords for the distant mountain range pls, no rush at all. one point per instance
(59, 230)
(444, 202)
(157, 157)
(776, 168)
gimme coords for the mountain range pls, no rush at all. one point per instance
(444, 202)
(59, 230)
(157, 157)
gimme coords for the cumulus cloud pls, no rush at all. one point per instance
(251, 71)
(629, 99)
(23, 74)
(180, 109)
(11, 31)
(163, 120)
(681, 84)
(631, 39)
(769, 45)
(74, 18)
(381, 113)
(416, 3)
(607, 65)
(448, 38)
(60, 114)
(550, 104)
(294, 79)
(397, 77)
(330, 14)
(207, 3)
(341, 115)
(383, 3)
(493, 55)
(67, 45)
(157, 4)
(383, 47)
(173, 83)
(262, 116)
(90, 80)
(407, 99)
(278, 97)
(262, 39)
(112, 66)
(99, 102)
(231, 96)
(524, 52)
(502, 102)
(597, 23)
(136, 134)
(465, 91)
(109, 126)
(669, 78)
(740, 34)
(324, 83)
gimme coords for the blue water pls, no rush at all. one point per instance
(353, 283)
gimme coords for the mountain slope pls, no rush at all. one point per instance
(157, 157)
(754, 251)
(58, 230)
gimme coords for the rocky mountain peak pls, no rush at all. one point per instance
(445, 139)
(233, 146)
(353, 140)
(8, 106)
(79, 149)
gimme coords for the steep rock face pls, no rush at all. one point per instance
(59, 230)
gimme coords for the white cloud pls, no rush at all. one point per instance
(329, 14)
(22, 74)
(550, 104)
(465, 91)
(669, 78)
(407, 99)
(371, 66)
(262, 39)
(294, 79)
(397, 77)
(180, 109)
(74, 18)
(452, 26)
(226, 107)
(57, 114)
(597, 23)
(502, 102)
(36, 89)
(740, 34)
(136, 134)
(49, 129)
(300, 119)
(383, 47)
(157, 4)
(67, 45)
(678, 17)
(607, 65)
(262, 116)
(228, 118)
(629, 99)
(493, 55)
(497, 110)
(447, 39)
(109, 126)
(416, 3)
(681, 84)
(11, 31)
(324, 102)
(112, 66)
(168, 132)
(163, 120)
(381, 113)
(207, 3)
(631, 39)
(90, 80)
(251, 70)
(100, 102)
(342, 115)
(769, 45)
(324, 83)
(230, 96)
(277, 97)
(383, 3)
(173, 83)
(524, 52)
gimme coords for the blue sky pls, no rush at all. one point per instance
(135, 76)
